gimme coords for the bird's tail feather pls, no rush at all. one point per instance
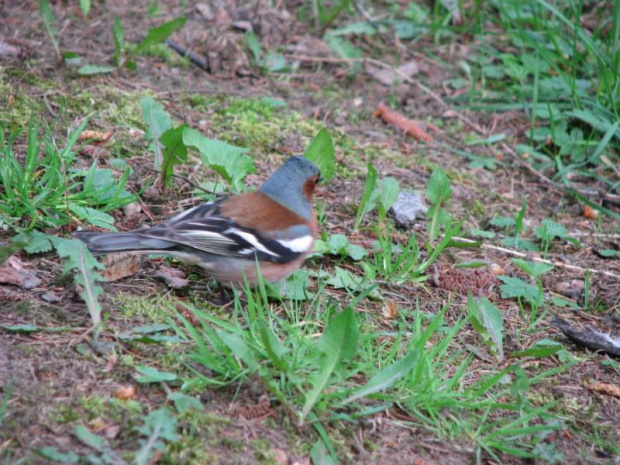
(102, 243)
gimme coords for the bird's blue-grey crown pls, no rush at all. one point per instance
(286, 185)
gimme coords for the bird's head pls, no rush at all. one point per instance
(292, 185)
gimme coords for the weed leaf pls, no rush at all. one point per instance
(158, 35)
(487, 320)
(321, 153)
(385, 378)
(339, 342)
(78, 257)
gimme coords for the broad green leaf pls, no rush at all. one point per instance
(154, 328)
(94, 217)
(153, 375)
(183, 402)
(320, 455)
(23, 328)
(85, 7)
(163, 421)
(533, 269)
(481, 233)
(90, 70)
(385, 378)
(356, 252)
(239, 348)
(488, 321)
(342, 48)
(337, 243)
(90, 439)
(389, 192)
(338, 343)
(503, 221)
(254, 46)
(160, 426)
(158, 35)
(369, 187)
(517, 288)
(542, 348)
(609, 253)
(156, 118)
(227, 160)
(438, 187)
(174, 151)
(119, 40)
(488, 141)
(157, 122)
(321, 153)
(78, 257)
(48, 21)
(51, 453)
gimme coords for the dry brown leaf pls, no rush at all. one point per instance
(173, 277)
(111, 431)
(120, 265)
(590, 212)
(13, 272)
(125, 392)
(97, 137)
(279, 456)
(390, 77)
(605, 388)
(109, 366)
(497, 269)
(8, 50)
(411, 127)
(390, 310)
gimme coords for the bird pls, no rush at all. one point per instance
(272, 229)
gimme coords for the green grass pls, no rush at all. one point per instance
(325, 365)
(51, 190)
(565, 79)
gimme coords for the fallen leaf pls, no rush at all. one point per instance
(13, 272)
(572, 289)
(279, 456)
(51, 296)
(173, 277)
(109, 366)
(111, 431)
(390, 77)
(390, 310)
(590, 212)
(125, 392)
(132, 209)
(121, 265)
(497, 269)
(410, 127)
(605, 388)
(97, 137)
(205, 11)
(8, 50)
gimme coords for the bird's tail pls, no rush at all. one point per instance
(102, 243)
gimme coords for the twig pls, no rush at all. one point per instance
(516, 253)
(187, 53)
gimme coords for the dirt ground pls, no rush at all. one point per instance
(54, 378)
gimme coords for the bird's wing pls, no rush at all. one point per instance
(205, 228)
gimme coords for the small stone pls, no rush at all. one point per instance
(51, 296)
(408, 207)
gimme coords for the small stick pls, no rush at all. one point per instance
(516, 253)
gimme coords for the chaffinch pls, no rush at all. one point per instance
(274, 226)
